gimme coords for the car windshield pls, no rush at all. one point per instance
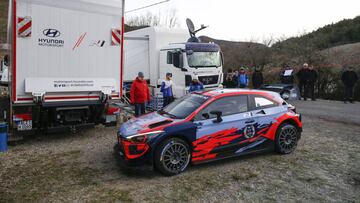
(204, 59)
(183, 107)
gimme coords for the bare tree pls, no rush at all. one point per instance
(169, 20)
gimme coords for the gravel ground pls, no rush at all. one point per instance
(57, 168)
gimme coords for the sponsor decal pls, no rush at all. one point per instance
(249, 131)
(79, 41)
(24, 26)
(73, 83)
(49, 41)
(97, 43)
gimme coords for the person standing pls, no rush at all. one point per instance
(312, 78)
(257, 78)
(139, 94)
(196, 85)
(166, 89)
(349, 79)
(230, 79)
(243, 78)
(287, 76)
(302, 76)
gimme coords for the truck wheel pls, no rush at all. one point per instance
(172, 156)
(286, 140)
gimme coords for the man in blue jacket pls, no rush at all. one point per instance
(166, 89)
(243, 78)
(196, 85)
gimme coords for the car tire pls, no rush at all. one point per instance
(172, 156)
(287, 137)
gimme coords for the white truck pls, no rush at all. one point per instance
(65, 62)
(156, 51)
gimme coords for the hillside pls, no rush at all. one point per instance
(239, 54)
(343, 32)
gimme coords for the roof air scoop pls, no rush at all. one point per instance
(192, 30)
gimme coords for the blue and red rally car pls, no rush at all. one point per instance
(207, 126)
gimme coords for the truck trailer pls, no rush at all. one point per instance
(157, 51)
(65, 63)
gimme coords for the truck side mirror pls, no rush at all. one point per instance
(218, 116)
(178, 59)
(6, 60)
(222, 59)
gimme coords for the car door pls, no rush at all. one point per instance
(264, 112)
(215, 139)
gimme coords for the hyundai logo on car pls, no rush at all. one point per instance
(51, 32)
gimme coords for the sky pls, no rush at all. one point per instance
(253, 20)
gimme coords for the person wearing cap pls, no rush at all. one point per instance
(303, 76)
(243, 78)
(349, 79)
(139, 94)
(196, 85)
(166, 89)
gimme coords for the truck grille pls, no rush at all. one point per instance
(209, 80)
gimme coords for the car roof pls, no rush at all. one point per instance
(239, 91)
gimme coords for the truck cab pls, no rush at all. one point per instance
(157, 51)
(188, 61)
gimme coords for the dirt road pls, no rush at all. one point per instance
(324, 168)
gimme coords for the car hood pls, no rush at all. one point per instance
(145, 123)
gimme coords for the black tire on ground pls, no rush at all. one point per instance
(172, 156)
(287, 137)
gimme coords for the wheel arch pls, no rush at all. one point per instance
(292, 122)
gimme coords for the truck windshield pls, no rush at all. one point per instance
(183, 107)
(204, 59)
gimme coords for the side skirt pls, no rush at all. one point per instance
(267, 146)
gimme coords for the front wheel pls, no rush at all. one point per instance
(172, 156)
(287, 137)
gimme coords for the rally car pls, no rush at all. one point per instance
(208, 126)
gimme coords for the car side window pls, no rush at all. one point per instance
(227, 105)
(262, 102)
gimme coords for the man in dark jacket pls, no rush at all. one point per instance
(349, 78)
(230, 79)
(312, 78)
(257, 78)
(302, 76)
(139, 94)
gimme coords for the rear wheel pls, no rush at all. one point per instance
(172, 156)
(287, 137)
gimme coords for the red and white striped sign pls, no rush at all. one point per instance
(115, 37)
(24, 26)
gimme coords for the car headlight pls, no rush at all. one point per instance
(143, 137)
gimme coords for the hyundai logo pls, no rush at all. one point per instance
(51, 33)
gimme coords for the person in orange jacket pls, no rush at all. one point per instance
(139, 94)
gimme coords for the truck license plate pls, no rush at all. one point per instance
(24, 125)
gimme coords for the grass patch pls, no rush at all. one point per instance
(244, 175)
(57, 177)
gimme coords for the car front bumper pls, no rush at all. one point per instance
(141, 162)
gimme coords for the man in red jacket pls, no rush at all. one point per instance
(139, 94)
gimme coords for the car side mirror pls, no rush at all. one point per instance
(218, 116)
(205, 115)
